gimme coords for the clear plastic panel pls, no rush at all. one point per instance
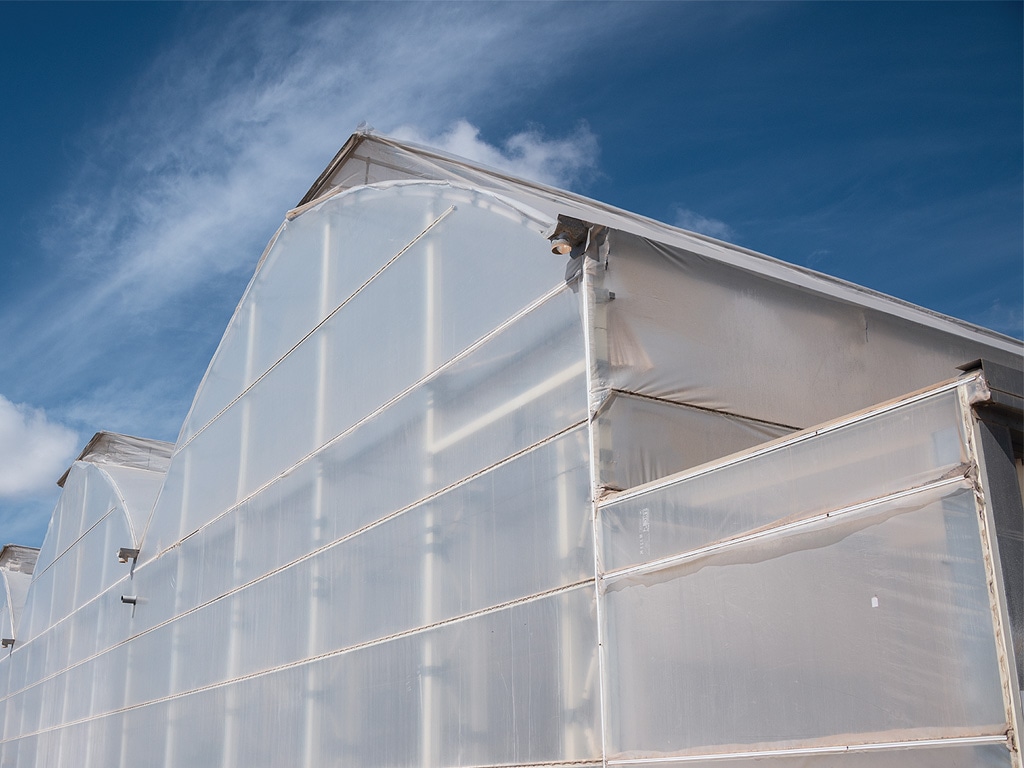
(29, 703)
(647, 440)
(82, 573)
(513, 539)
(349, 237)
(202, 482)
(38, 605)
(499, 400)
(888, 452)
(165, 528)
(66, 519)
(279, 420)
(48, 549)
(503, 688)
(100, 498)
(523, 385)
(72, 508)
(508, 687)
(872, 626)
(541, 495)
(227, 375)
(110, 675)
(52, 695)
(96, 566)
(337, 376)
(17, 585)
(146, 681)
(6, 610)
(358, 233)
(77, 639)
(139, 489)
(61, 574)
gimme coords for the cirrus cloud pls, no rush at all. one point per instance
(558, 162)
(705, 225)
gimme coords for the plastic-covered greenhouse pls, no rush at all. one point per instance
(484, 473)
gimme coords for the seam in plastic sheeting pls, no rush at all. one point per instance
(84, 533)
(316, 327)
(596, 398)
(241, 301)
(962, 480)
(613, 393)
(785, 442)
(578, 585)
(123, 505)
(839, 748)
(537, 217)
(329, 545)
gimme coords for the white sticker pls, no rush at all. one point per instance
(874, 601)
(645, 532)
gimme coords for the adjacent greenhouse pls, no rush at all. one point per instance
(484, 473)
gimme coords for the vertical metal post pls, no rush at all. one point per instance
(233, 700)
(595, 330)
(178, 641)
(428, 662)
(987, 476)
(314, 692)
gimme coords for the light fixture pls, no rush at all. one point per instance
(561, 245)
(124, 554)
(129, 599)
(569, 236)
(7, 642)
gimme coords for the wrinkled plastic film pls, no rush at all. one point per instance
(882, 454)
(707, 334)
(767, 623)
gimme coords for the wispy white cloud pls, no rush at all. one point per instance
(1002, 318)
(34, 451)
(180, 187)
(214, 149)
(705, 225)
(818, 256)
(530, 154)
(181, 183)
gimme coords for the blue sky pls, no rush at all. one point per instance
(150, 150)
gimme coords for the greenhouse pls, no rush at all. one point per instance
(484, 473)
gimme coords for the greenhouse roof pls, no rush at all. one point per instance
(368, 157)
(124, 451)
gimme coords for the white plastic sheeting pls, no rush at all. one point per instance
(828, 592)
(737, 342)
(368, 158)
(389, 532)
(12, 599)
(114, 450)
